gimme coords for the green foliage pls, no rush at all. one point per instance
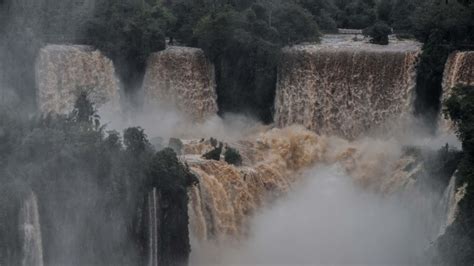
(323, 11)
(135, 140)
(384, 10)
(169, 175)
(434, 21)
(232, 156)
(128, 32)
(213, 142)
(401, 16)
(86, 179)
(356, 14)
(244, 42)
(84, 112)
(294, 24)
(214, 154)
(456, 246)
(442, 28)
(459, 107)
(378, 33)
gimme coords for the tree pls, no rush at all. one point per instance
(214, 154)
(402, 11)
(87, 180)
(244, 44)
(295, 25)
(128, 32)
(84, 111)
(378, 33)
(357, 14)
(459, 107)
(323, 11)
(442, 28)
(232, 156)
(172, 180)
(384, 10)
(456, 246)
(135, 140)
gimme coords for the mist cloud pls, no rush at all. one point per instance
(327, 220)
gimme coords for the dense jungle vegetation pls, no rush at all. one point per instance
(456, 247)
(94, 181)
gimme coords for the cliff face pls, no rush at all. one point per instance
(63, 71)
(183, 78)
(345, 89)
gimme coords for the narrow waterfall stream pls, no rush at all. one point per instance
(30, 231)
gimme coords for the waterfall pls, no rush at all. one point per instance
(224, 205)
(448, 205)
(459, 70)
(154, 227)
(30, 232)
(63, 71)
(182, 78)
(227, 196)
(345, 88)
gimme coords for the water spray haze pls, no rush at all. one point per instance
(328, 219)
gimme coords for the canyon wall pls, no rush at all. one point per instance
(181, 78)
(64, 71)
(345, 88)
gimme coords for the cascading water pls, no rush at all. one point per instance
(345, 88)
(228, 196)
(379, 188)
(448, 206)
(341, 89)
(458, 71)
(64, 71)
(30, 232)
(154, 227)
(184, 78)
(331, 89)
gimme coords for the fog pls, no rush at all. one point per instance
(165, 121)
(327, 220)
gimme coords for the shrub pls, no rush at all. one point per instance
(378, 33)
(214, 154)
(232, 156)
